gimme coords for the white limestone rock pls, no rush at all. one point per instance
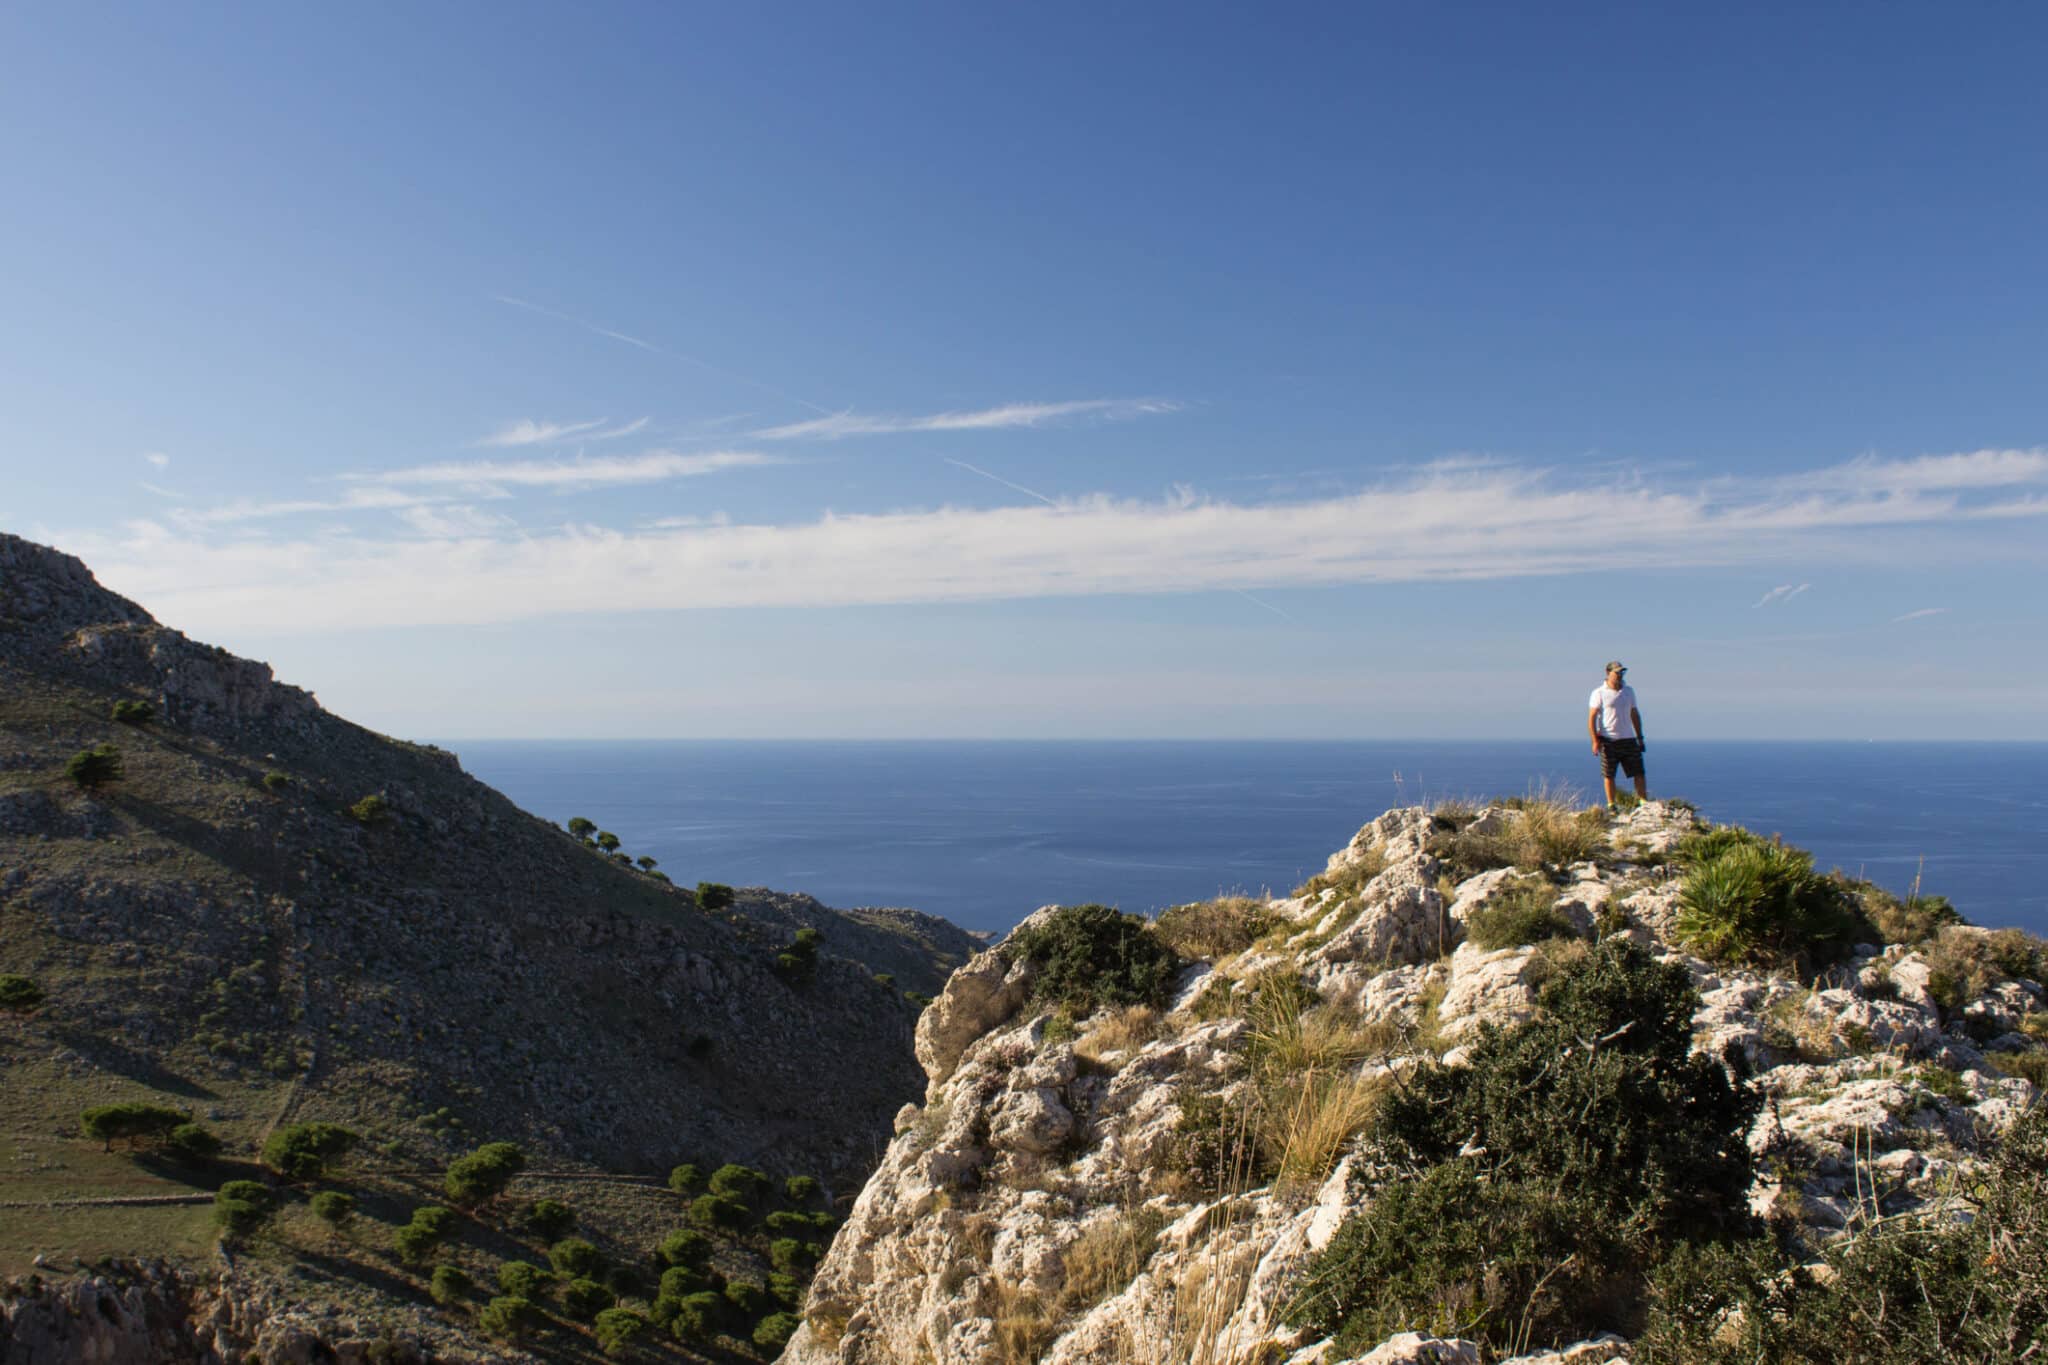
(1486, 987)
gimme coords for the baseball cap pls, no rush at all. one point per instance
(1614, 666)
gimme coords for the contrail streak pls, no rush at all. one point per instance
(1267, 605)
(1018, 487)
(645, 345)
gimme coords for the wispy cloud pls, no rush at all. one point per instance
(527, 432)
(1784, 592)
(157, 458)
(842, 424)
(1428, 525)
(260, 509)
(654, 466)
(1916, 615)
(162, 492)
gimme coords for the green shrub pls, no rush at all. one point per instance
(192, 1142)
(618, 1328)
(681, 1281)
(1210, 930)
(1533, 1185)
(746, 1296)
(419, 1239)
(1908, 919)
(576, 1258)
(483, 1174)
(370, 810)
(1963, 963)
(800, 1189)
(584, 1298)
(306, 1151)
(792, 1257)
(1903, 1292)
(714, 896)
(435, 1219)
(782, 1220)
(416, 1245)
(134, 712)
(1704, 845)
(1763, 904)
(607, 840)
(523, 1279)
(131, 1121)
(699, 1316)
(581, 828)
(773, 1332)
(787, 1289)
(93, 768)
(20, 995)
(334, 1208)
(798, 962)
(550, 1219)
(1521, 914)
(276, 781)
(685, 1247)
(450, 1286)
(717, 1211)
(738, 1182)
(240, 1206)
(509, 1317)
(1090, 955)
(685, 1178)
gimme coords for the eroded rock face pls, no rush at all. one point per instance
(145, 1314)
(987, 1220)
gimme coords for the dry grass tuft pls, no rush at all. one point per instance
(1213, 930)
(1550, 830)
(1307, 1135)
(1127, 1030)
(1347, 881)
(1791, 1026)
(1025, 1325)
(1108, 1256)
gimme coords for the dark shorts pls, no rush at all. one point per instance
(1625, 754)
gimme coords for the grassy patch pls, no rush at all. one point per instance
(1522, 913)
(1214, 929)
(1347, 881)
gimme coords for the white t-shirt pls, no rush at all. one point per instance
(1614, 708)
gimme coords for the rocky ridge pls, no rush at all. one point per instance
(1044, 1142)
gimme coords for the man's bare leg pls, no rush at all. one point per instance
(1642, 789)
(1608, 782)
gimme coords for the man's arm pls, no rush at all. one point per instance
(1593, 728)
(1636, 719)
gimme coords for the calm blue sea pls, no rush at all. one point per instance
(985, 832)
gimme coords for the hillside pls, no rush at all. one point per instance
(273, 916)
(1516, 1082)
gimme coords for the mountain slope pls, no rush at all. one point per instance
(216, 930)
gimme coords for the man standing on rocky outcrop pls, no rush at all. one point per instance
(1616, 728)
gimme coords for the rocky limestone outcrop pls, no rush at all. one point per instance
(152, 1313)
(1038, 1204)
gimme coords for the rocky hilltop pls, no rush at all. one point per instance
(1514, 1082)
(260, 914)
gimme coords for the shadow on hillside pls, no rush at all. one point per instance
(199, 836)
(125, 1061)
(320, 1265)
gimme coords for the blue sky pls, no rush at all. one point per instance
(1338, 370)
